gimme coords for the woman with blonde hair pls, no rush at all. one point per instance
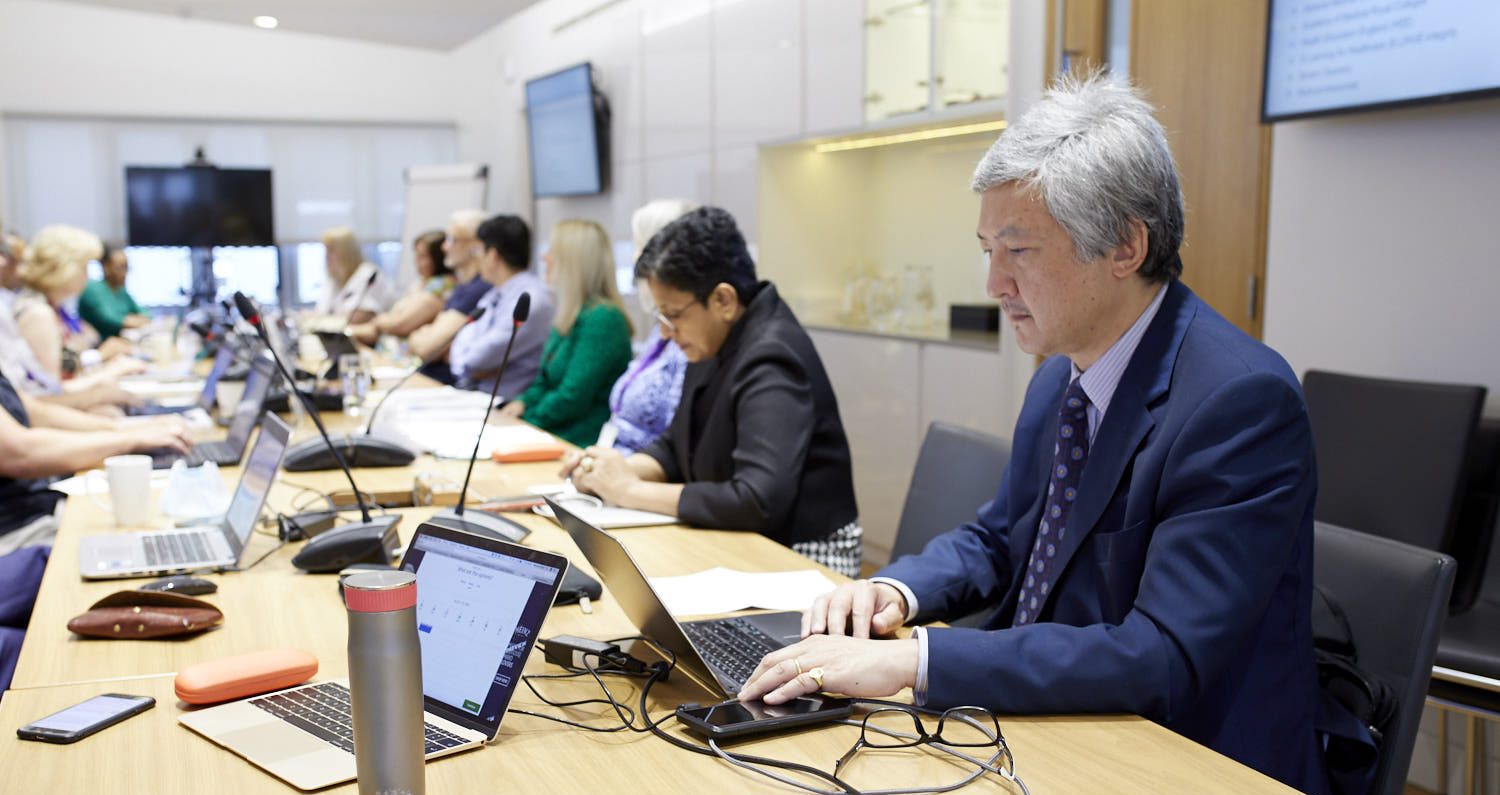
(349, 291)
(53, 272)
(589, 346)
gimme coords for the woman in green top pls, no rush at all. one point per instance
(589, 346)
(105, 304)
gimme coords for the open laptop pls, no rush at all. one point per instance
(722, 651)
(221, 546)
(231, 448)
(208, 398)
(480, 606)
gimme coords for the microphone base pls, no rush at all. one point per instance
(374, 541)
(359, 450)
(480, 523)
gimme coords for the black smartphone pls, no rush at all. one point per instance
(731, 719)
(85, 718)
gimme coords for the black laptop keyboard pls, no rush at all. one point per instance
(322, 710)
(733, 645)
(166, 457)
(172, 549)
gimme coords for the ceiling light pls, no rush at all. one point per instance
(265, 22)
(845, 144)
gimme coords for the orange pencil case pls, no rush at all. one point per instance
(522, 453)
(229, 678)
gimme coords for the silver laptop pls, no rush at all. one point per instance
(716, 651)
(208, 397)
(219, 546)
(480, 605)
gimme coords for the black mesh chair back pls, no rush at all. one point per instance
(1392, 456)
(1396, 598)
(957, 471)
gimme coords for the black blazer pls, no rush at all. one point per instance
(757, 437)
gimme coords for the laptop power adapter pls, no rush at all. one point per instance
(571, 651)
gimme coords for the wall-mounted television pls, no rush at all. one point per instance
(567, 124)
(1340, 56)
(198, 206)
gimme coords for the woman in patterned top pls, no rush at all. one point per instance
(435, 282)
(643, 401)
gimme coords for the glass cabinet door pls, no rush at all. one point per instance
(973, 50)
(898, 57)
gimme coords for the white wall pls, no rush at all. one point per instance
(694, 85)
(1381, 257)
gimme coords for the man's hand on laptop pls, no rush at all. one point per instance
(160, 434)
(834, 664)
(861, 609)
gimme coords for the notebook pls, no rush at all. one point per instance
(220, 546)
(720, 652)
(480, 605)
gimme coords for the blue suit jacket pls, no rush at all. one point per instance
(1185, 595)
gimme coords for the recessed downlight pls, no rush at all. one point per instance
(265, 22)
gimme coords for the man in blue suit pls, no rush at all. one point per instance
(1150, 547)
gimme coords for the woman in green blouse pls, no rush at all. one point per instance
(589, 346)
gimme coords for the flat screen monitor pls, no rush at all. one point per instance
(567, 124)
(198, 206)
(1339, 56)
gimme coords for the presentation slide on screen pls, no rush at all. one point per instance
(466, 618)
(1330, 54)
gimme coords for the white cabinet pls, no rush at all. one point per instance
(677, 76)
(889, 389)
(926, 55)
(679, 177)
(898, 57)
(757, 65)
(833, 82)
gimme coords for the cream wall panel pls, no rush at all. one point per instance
(677, 76)
(833, 82)
(965, 386)
(874, 380)
(734, 186)
(757, 88)
(680, 177)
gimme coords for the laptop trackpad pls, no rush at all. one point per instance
(785, 626)
(271, 743)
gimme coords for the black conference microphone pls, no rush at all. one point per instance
(371, 539)
(370, 424)
(484, 523)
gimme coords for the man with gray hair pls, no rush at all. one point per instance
(1150, 546)
(461, 252)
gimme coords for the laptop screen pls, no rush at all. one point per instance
(257, 384)
(480, 606)
(206, 398)
(256, 479)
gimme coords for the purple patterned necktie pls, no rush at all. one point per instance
(1069, 455)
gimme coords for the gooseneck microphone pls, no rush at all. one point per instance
(485, 523)
(370, 424)
(352, 543)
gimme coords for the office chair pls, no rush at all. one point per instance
(1466, 672)
(1396, 598)
(957, 471)
(1392, 460)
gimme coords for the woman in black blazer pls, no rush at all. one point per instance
(756, 443)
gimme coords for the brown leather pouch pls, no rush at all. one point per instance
(146, 614)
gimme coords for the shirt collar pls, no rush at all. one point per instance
(1100, 380)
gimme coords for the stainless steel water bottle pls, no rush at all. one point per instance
(385, 682)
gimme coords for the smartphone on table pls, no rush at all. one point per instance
(85, 718)
(731, 719)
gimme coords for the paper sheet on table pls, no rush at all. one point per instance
(721, 590)
(605, 517)
(77, 487)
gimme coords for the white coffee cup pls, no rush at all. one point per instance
(129, 479)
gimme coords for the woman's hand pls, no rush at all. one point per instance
(603, 471)
(513, 409)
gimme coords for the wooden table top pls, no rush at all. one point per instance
(274, 605)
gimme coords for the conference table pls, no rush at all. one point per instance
(273, 605)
